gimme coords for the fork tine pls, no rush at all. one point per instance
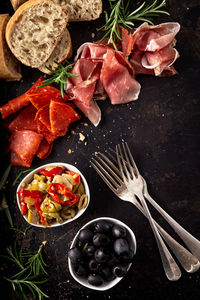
(110, 168)
(131, 167)
(104, 174)
(132, 160)
(103, 177)
(119, 159)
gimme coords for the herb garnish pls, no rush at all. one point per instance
(31, 266)
(120, 15)
(60, 75)
(16, 181)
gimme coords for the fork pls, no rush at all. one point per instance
(112, 177)
(135, 184)
(192, 243)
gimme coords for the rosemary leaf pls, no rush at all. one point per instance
(59, 76)
(120, 15)
(4, 205)
(16, 181)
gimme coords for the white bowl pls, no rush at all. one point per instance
(109, 284)
(69, 167)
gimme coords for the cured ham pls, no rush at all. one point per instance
(61, 116)
(153, 49)
(24, 144)
(25, 120)
(14, 105)
(44, 149)
(118, 79)
(35, 127)
(102, 72)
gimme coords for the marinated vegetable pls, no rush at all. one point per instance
(55, 194)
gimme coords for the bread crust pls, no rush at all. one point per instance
(5, 72)
(16, 18)
(17, 3)
(67, 54)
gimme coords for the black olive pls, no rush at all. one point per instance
(120, 270)
(81, 270)
(101, 255)
(85, 235)
(89, 251)
(127, 257)
(100, 239)
(93, 265)
(103, 226)
(118, 231)
(107, 274)
(113, 260)
(75, 255)
(95, 279)
(80, 244)
(121, 246)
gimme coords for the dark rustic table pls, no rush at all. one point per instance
(163, 132)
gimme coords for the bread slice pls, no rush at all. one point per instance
(17, 3)
(34, 30)
(10, 68)
(78, 10)
(81, 10)
(61, 52)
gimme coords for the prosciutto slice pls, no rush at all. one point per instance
(102, 72)
(153, 49)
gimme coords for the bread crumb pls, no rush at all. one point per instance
(69, 151)
(81, 137)
(93, 34)
(85, 144)
(95, 153)
(85, 124)
(73, 132)
(122, 140)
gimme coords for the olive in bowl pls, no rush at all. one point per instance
(101, 253)
(53, 195)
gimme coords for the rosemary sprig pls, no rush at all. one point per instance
(31, 266)
(120, 15)
(16, 181)
(60, 75)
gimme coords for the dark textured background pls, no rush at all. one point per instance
(163, 131)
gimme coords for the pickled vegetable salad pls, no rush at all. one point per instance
(55, 194)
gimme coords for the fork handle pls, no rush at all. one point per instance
(188, 261)
(192, 243)
(171, 269)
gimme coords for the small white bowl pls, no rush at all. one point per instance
(69, 167)
(109, 284)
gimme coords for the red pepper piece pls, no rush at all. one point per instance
(24, 209)
(52, 172)
(30, 194)
(53, 190)
(37, 204)
(43, 220)
(76, 176)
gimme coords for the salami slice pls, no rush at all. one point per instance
(14, 105)
(43, 116)
(25, 120)
(44, 149)
(61, 116)
(25, 144)
(16, 161)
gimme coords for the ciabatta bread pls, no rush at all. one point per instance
(81, 10)
(9, 65)
(17, 3)
(78, 10)
(61, 52)
(34, 30)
